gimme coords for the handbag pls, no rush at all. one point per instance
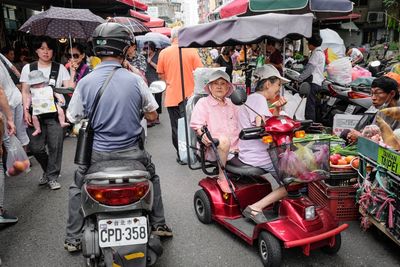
(84, 146)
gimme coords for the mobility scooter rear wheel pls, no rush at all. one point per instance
(270, 250)
(202, 206)
(333, 250)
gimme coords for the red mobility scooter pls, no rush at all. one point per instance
(295, 221)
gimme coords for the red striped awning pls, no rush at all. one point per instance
(154, 23)
(141, 16)
(135, 4)
(163, 30)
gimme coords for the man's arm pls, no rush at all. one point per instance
(5, 108)
(75, 112)
(149, 103)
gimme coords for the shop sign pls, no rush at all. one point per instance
(388, 159)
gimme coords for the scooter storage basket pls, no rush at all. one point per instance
(340, 200)
(305, 161)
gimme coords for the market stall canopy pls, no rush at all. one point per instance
(320, 8)
(163, 30)
(246, 30)
(135, 4)
(58, 22)
(154, 23)
(139, 15)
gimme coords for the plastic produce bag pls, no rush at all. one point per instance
(182, 142)
(340, 71)
(359, 72)
(17, 160)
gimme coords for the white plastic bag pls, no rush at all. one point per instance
(340, 71)
(17, 160)
(182, 143)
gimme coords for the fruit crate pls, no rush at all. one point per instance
(342, 178)
(340, 200)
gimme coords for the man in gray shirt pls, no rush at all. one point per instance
(116, 123)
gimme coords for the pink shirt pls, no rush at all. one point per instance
(221, 119)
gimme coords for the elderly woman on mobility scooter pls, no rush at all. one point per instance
(219, 114)
(254, 152)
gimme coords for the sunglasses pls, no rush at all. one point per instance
(75, 56)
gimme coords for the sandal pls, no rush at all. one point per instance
(255, 215)
(223, 184)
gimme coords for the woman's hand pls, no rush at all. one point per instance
(278, 105)
(11, 127)
(352, 136)
(149, 58)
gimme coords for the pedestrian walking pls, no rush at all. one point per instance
(52, 134)
(152, 54)
(168, 69)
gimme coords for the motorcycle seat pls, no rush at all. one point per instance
(236, 166)
(113, 166)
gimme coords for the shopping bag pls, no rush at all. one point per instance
(340, 71)
(182, 147)
(17, 160)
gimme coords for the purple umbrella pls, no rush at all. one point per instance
(58, 22)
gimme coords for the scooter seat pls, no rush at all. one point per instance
(236, 166)
(112, 166)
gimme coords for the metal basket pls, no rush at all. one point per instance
(306, 161)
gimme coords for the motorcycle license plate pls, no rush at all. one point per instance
(122, 232)
(331, 101)
(350, 109)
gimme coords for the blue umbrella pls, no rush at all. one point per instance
(160, 40)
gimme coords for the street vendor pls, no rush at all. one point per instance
(384, 94)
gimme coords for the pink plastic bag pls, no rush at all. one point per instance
(17, 160)
(358, 72)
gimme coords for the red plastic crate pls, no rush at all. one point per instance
(340, 200)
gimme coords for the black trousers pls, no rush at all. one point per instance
(174, 114)
(158, 98)
(312, 103)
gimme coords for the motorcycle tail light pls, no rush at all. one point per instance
(357, 95)
(118, 195)
(300, 134)
(331, 90)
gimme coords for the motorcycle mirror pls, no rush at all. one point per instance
(238, 97)
(304, 88)
(157, 87)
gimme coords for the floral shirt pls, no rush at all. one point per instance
(139, 61)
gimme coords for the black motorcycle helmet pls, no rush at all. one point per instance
(112, 39)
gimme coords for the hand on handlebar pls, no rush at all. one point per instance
(205, 140)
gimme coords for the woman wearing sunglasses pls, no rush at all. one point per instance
(77, 62)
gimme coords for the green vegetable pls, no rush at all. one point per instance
(350, 150)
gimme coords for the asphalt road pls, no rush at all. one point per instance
(37, 239)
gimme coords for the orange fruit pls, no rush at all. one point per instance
(349, 158)
(355, 163)
(19, 166)
(342, 162)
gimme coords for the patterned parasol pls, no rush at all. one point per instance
(58, 22)
(133, 24)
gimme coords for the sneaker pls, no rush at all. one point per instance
(73, 247)
(43, 179)
(54, 185)
(7, 218)
(161, 230)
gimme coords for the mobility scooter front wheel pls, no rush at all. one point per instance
(270, 250)
(202, 206)
(333, 250)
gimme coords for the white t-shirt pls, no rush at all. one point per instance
(317, 59)
(13, 94)
(355, 53)
(63, 74)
